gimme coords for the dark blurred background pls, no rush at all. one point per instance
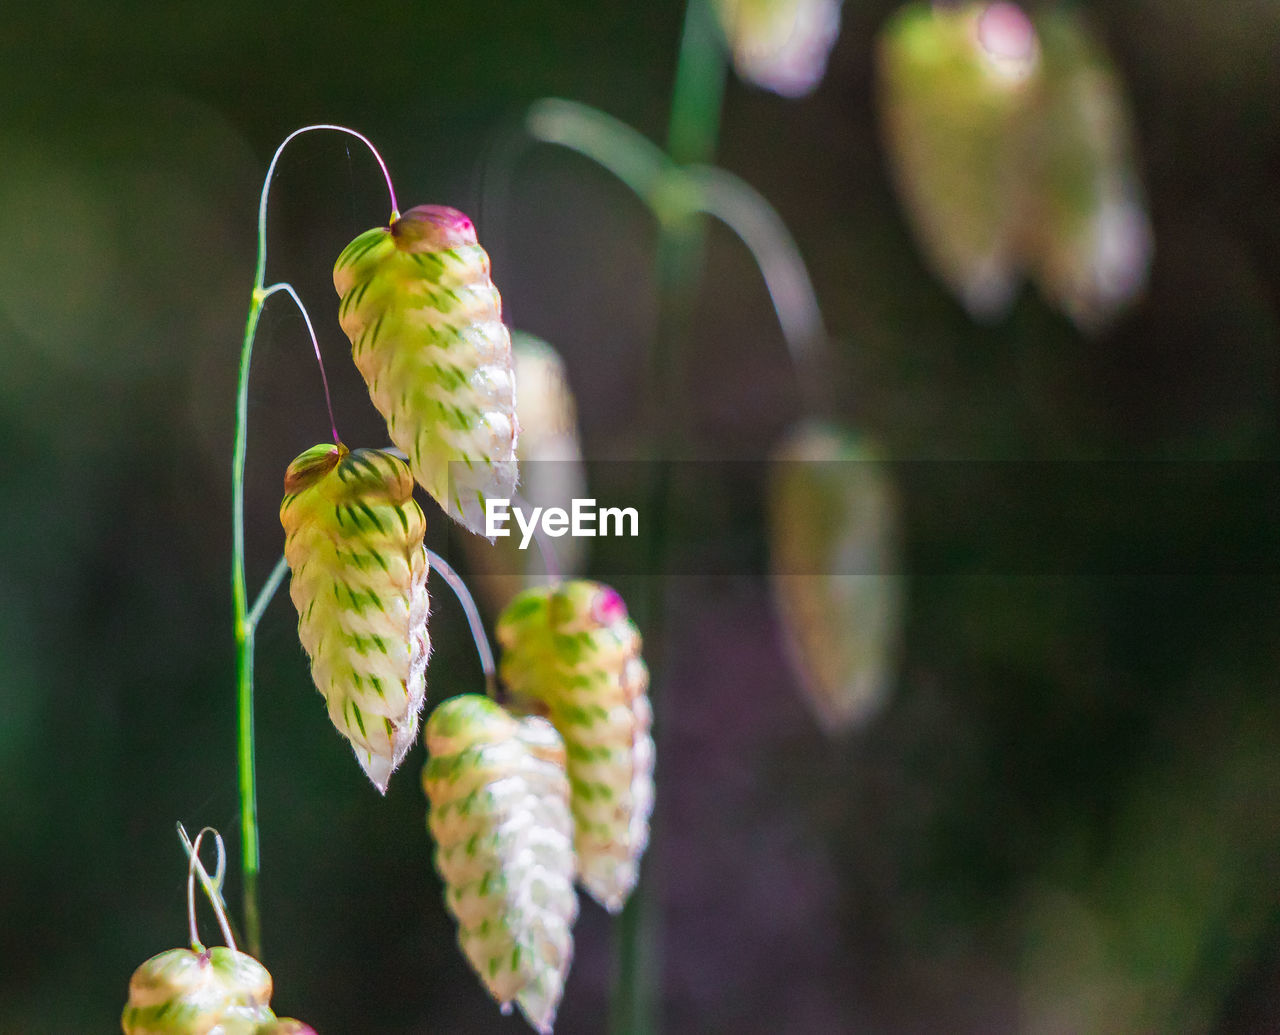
(1067, 819)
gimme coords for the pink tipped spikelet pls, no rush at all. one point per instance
(833, 532)
(572, 651)
(504, 845)
(425, 324)
(353, 540)
(184, 992)
(953, 84)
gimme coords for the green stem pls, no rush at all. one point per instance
(696, 100)
(691, 137)
(243, 623)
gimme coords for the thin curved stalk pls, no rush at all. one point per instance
(459, 587)
(744, 210)
(267, 592)
(674, 193)
(212, 886)
(636, 161)
(243, 627)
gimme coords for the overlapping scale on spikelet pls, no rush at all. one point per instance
(499, 813)
(781, 45)
(833, 524)
(183, 992)
(353, 540)
(551, 472)
(953, 89)
(425, 324)
(572, 651)
(1088, 235)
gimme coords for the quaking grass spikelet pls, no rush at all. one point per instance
(571, 651)
(425, 324)
(781, 45)
(1088, 235)
(353, 540)
(219, 991)
(837, 583)
(499, 813)
(954, 81)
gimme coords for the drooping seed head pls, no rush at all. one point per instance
(954, 85)
(425, 324)
(499, 813)
(571, 651)
(183, 992)
(354, 543)
(833, 530)
(1088, 235)
(781, 45)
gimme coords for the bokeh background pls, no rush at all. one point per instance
(1067, 818)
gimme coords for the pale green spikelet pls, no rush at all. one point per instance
(425, 324)
(781, 45)
(1088, 234)
(833, 531)
(353, 540)
(184, 992)
(499, 813)
(551, 471)
(571, 650)
(954, 82)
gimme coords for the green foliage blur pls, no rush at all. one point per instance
(1067, 817)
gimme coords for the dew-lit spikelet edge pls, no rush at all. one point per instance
(499, 813)
(425, 324)
(571, 651)
(184, 992)
(353, 540)
(837, 583)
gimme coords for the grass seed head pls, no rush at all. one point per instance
(184, 992)
(354, 543)
(570, 650)
(499, 813)
(425, 323)
(833, 544)
(954, 85)
(781, 45)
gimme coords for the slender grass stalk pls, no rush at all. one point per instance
(691, 137)
(481, 638)
(245, 622)
(674, 194)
